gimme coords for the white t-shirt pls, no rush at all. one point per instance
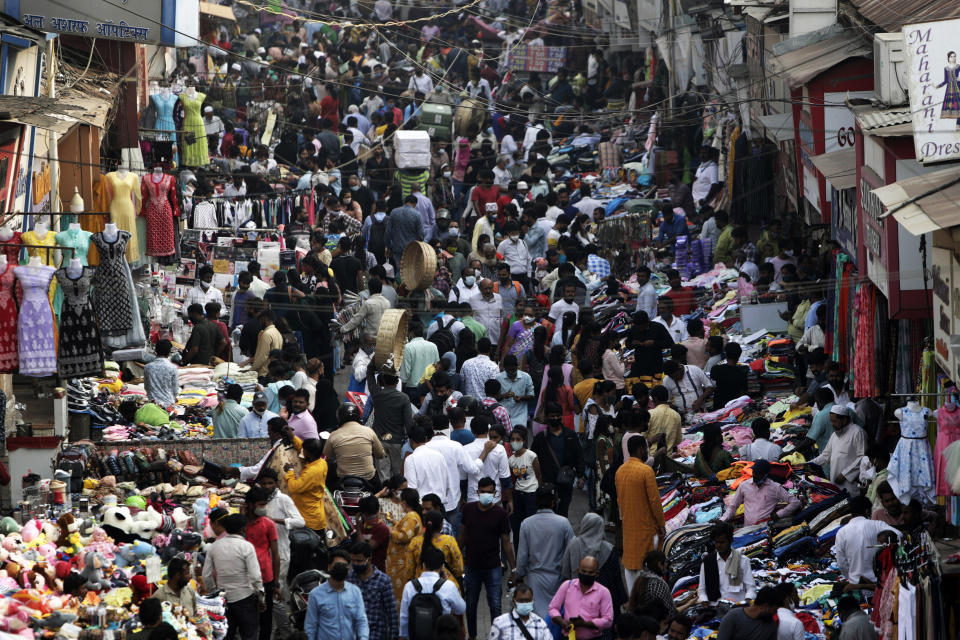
(707, 176)
(560, 307)
(522, 468)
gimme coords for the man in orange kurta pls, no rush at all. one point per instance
(641, 513)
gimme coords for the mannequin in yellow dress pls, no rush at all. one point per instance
(41, 236)
(123, 193)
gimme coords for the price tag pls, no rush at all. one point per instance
(154, 569)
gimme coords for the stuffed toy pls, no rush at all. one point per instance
(147, 524)
(30, 531)
(118, 523)
(93, 571)
(69, 537)
(141, 588)
(125, 557)
(101, 543)
(9, 525)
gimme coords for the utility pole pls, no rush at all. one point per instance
(671, 88)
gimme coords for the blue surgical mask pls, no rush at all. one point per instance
(469, 280)
(524, 608)
(561, 258)
(486, 499)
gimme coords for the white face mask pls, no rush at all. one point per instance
(447, 174)
(453, 232)
(514, 238)
(528, 319)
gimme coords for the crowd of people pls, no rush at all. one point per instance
(514, 448)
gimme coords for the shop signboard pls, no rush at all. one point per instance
(130, 20)
(844, 220)
(943, 311)
(540, 59)
(931, 69)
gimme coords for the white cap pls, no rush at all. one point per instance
(304, 45)
(492, 206)
(317, 54)
(257, 31)
(261, 50)
(522, 186)
(840, 410)
(236, 66)
(208, 109)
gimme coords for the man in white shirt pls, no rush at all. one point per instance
(204, 291)
(856, 543)
(466, 286)
(845, 448)
(502, 176)
(725, 573)
(421, 82)
(232, 567)
(530, 137)
(449, 322)
(515, 253)
(236, 188)
(562, 306)
(495, 465)
(254, 424)
(761, 448)
(478, 88)
(647, 296)
(586, 204)
(431, 562)
(284, 513)
(459, 465)
(212, 125)
(688, 385)
(676, 326)
(707, 175)
(425, 469)
(478, 369)
(488, 309)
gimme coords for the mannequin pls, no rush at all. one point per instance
(40, 230)
(910, 471)
(165, 102)
(125, 197)
(192, 92)
(165, 91)
(110, 231)
(75, 226)
(6, 233)
(195, 150)
(75, 268)
(122, 172)
(35, 261)
(948, 432)
(160, 207)
(36, 333)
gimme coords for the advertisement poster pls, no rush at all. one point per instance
(543, 59)
(933, 83)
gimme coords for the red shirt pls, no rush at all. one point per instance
(482, 195)
(377, 534)
(683, 300)
(260, 533)
(330, 109)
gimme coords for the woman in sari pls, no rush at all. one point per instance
(432, 537)
(401, 534)
(712, 457)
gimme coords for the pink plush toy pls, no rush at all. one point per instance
(101, 543)
(30, 531)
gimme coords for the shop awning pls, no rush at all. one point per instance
(57, 115)
(779, 126)
(939, 210)
(799, 66)
(218, 11)
(885, 123)
(838, 167)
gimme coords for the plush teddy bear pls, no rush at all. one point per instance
(93, 571)
(69, 537)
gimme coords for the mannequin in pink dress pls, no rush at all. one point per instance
(159, 208)
(948, 432)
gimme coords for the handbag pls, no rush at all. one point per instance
(566, 475)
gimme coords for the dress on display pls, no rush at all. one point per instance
(79, 240)
(164, 105)
(80, 351)
(48, 257)
(8, 320)
(948, 432)
(112, 286)
(910, 471)
(159, 208)
(11, 249)
(35, 332)
(125, 204)
(195, 154)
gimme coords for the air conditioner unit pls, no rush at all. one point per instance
(890, 68)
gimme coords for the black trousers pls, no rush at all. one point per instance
(266, 617)
(243, 619)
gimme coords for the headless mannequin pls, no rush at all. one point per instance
(35, 261)
(5, 234)
(192, 93)
(40, 230)
(122, 172)
(157, 175)
(74, 226)
(75, 268)
(110, 232)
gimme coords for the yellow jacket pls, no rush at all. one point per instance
(307, 492)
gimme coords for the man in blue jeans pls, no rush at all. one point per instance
(485, 530)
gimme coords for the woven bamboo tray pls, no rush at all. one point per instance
(418, 267)
(391, 337)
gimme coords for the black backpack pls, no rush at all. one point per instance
(443, 337)
(376, 238)
(423, 611)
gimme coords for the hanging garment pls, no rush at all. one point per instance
(112, 286)
(79, 240)
(12, 249)
(125, 204)
(164, 105)
(35, 333)
(204, 215)
(196, 153)
(47, 257)
(159, 209)
(910, 471)
(8, 321)
(948, 432)
(80, 352)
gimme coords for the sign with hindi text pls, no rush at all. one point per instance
(532, 58)
(130, 20)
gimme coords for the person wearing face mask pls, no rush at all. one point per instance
(232, 566)
(380, 605)
(204, 291)
(754, 621)
(558, 449)
(761, 498)
(336, 609)
(522, 622)
(583, 604)
(511, 291)
(846, 446)
(515, 254)
(641, 513)
(484, 224)
(283, 512)
(229, 414)
(261, 532)
(362, 194)
(466, 286)
(525, 467)
(177, 589)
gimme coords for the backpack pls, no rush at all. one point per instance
(484, 410)
(423, 610)
(376, 237)
(443, 337)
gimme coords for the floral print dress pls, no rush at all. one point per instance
(402, 533)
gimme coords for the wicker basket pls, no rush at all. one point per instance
(391, 338)
(470, 112)
(418, 267)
